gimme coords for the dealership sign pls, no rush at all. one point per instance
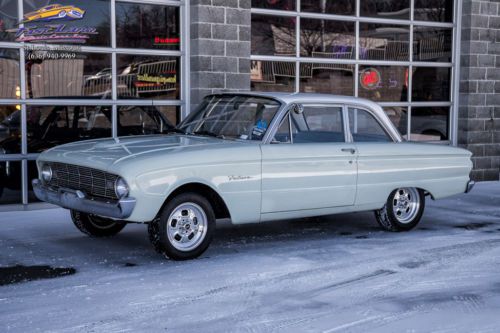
(54, 33)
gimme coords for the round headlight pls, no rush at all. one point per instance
(121, 188)
(46, 173)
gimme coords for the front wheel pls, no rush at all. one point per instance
(96, 226)
(403, 209)
(184, 228)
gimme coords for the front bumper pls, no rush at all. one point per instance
(77, 200)
(470, 185)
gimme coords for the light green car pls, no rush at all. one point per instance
(251, 158)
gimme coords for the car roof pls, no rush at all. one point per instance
(309, 97)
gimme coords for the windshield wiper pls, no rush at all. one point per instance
(208, 133)
(175, 130)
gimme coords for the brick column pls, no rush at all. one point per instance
(479, 109)
(220, 47)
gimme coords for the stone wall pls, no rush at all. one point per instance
(220, 47)
(479, 110)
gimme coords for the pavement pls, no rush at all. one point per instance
(337, 273)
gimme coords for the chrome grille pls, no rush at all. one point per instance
(93, 182)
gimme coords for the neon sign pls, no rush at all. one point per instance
(370, 78)
(166, 41)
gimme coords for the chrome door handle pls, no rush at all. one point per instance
(349, 150)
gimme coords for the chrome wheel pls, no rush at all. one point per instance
(187, 226)
(406, 204)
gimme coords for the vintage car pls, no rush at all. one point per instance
(54, 12)
(251, 158)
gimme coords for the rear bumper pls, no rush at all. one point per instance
(76, 200)
(470, 185)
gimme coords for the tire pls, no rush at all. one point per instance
(188, 238)
(403, 209)
(96, 226)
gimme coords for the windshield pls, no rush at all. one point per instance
(232, 116)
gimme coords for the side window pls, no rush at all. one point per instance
(365, 128)
(319, 124)
(283, 133)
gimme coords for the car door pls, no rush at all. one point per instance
(381, 162)
(308, 164)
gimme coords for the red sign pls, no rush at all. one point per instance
(370, 78)
(167, 41)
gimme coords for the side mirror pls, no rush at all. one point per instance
(298, 108)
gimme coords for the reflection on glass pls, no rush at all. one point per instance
(339, 7)
(152, 77)
(327, 78)
(59, 74)
(49, 126)
(9, 74)
(77, 22)
(171, 113)
(8, 20)
(432, 44)
(327, 39)
(431, 84)
(10, 182)
(272, 76)
(273, 35)
(274, 4)
(147, 26)
(142, 120)
(429, 123)
(384, 42)
(399, 117)
(388, 9)
(434, 10)
(10, 129)
(383, 83)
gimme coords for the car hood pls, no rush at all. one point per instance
(104, 153)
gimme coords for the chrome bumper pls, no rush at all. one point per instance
(76, 200)
(470, 185)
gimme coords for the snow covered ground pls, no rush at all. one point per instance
(330, 274)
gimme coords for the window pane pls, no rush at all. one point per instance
(141, 120)
(339, 7)
(388, 9)
(399, 117)
(274, 4)
(384, 42)
(80, 22)
(151, 77)
(434, 10)
(49, 126)
(429, 123)
(319, 124)
(327, 39)
(273, 76)
(10, 182)
(10, 129)
(273, 35)
(283, 133)
(327, 78)
(9, 74)
(147, 26)
(365, 128)
(383, 83)
(431, 84)
(432, 44)
(171, 113)
(61, 73)
(8, 20)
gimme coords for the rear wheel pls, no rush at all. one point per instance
(96, 226)
(184, 228)
(403, 209)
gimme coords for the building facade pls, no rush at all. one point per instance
(79, 69)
